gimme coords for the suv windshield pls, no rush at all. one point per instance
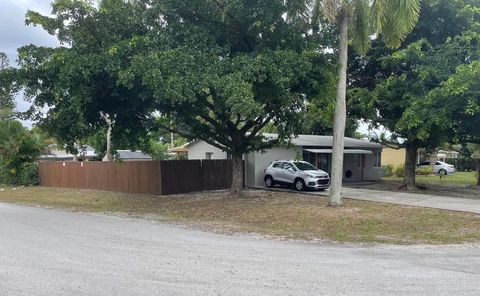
(305, 166)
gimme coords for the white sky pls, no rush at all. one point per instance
(14, 33)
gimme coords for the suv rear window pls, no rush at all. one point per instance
(278, 165)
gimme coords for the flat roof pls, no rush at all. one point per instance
(327, 141)
(314, 141)
(345, 151)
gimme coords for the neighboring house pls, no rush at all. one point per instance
(128, 155)
(362, 161)
(87, 152)
(443, 155)
(392, 156)
(396, 157)
(55, 154)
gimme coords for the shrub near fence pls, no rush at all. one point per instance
(143, 177)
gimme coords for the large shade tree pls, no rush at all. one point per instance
(396, 84)
(75, 88)
(457, 104)
(221, 71)
(7, 103)
(216, 70)
(357, 21)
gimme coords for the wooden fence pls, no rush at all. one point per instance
(143, 177)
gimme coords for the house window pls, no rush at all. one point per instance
(208, 155)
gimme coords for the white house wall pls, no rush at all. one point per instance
(257, 162)
(199, 149)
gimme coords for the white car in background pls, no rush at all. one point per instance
(440, 167)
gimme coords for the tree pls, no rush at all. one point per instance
(215, 70)
(458, 99)
(80, 80)
(396, 84)
(224, 70)
(393, 19)
(6, 99)
(18, 146)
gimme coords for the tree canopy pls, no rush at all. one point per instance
(219, 71)
(79, 81)
(399, 85)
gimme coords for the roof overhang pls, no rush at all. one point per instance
(346, 151)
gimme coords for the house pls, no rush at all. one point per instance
(393, 156)
(362, 161)
(54, 153)
(396, 157)
(128, 155)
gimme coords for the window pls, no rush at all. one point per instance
(287, 166)
(208, 155)
(278, 165)
(305, 166)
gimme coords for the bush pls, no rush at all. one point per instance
(400, 171)
(425, 171)
(387, 170)
(27, 174)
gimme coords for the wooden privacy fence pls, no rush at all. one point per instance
(143, 177)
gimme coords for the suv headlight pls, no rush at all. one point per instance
(310, 176)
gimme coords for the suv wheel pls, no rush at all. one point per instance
(442, 172)
(299, 185)
(269, 181)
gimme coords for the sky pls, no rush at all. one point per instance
(14, 33)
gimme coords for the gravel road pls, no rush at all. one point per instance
(50, 252)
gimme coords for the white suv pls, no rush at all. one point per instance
(300, 174)
(440, 167)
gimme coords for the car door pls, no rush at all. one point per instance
(288, 172)
(276, 171)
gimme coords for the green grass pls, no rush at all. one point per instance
(460, 178)
(278, 214)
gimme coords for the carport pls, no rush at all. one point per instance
(354, 162)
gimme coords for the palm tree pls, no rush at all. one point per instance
(357, 21)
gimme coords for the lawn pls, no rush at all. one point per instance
(460, 178)
(278, 214)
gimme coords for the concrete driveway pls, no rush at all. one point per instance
(401, 198)
(49, 252)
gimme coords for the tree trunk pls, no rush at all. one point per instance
(433, 159)
(109, 142)
(237, 176)
(109, 122)
(340, 116)
(477, 169)
(410, 166)
(75, 155)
